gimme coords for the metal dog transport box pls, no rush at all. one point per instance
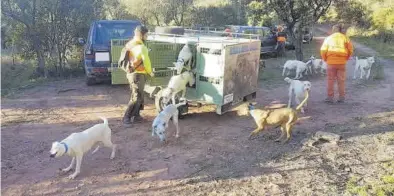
(226, 70)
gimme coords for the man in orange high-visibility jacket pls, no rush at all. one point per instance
(137, 73)
(280, 40)
(336, 51)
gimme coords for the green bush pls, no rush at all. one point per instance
(258, 15)
(15, 74)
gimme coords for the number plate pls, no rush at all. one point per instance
(102, 56)
(228, 98)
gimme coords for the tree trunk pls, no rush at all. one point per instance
(298, 45)
(40, 57)
(298, 49)
(157, 19)
(297, 41)
(60, 72)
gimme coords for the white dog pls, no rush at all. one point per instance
(160, 124)
(299, 66)
(297, 88)
(184, 56)
(77, 144)
(365, 66)
(177, 84)
(318, 64)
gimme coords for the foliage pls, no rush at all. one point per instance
(160, 12)
(372, 18)
(46, 30)
(353, 12)
(297, 14)
(260, 14)
(212, 16)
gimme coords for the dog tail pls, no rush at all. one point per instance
(298, 108)
(104, 119)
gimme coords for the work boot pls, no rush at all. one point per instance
(341, 100)
(138, 117)
(329, 100)
(128, 121)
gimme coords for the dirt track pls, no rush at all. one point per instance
(212, 156)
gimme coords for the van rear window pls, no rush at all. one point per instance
(107, 31)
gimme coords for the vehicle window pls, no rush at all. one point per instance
(107, 31)
(261, 32)
(248, 31)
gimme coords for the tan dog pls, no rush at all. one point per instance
(283, 117)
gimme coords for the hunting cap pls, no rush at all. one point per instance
(337, 28)
(142, 29)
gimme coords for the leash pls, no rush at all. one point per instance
(65, 146)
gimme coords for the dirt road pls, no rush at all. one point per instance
(212, 156)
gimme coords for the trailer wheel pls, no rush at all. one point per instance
(160, 105)
(170, 30)
(159, 101)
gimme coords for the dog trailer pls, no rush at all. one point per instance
(226, 69)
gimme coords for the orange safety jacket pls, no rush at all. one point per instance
(336, 50)
(281, 37)
(138, 55)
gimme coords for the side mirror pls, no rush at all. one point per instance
(81, 41)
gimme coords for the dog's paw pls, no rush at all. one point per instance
(65, 170)
(176, 136)
(72, 176)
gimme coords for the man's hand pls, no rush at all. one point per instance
(152, 74)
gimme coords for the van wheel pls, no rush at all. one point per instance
(90, 81)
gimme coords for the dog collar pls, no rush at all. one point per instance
(65, 146)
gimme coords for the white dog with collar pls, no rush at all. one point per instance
(77, 144)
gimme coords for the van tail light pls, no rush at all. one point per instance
(100, 70)
(89, 54)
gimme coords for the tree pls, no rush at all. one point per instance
(48, 28)
(353, 12)
(160, 12)
(259, 14)
(27, 13)
(297, 14)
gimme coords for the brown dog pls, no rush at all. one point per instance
(283, 117)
